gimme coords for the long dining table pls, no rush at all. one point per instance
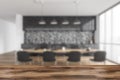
(61, 50)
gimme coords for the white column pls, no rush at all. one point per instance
(19, 31)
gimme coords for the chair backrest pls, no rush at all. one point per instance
(49, 56)
(100, 56)
(74, 56)
(22, 56)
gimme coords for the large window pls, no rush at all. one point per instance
(110, 33)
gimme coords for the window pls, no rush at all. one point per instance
(110, 33)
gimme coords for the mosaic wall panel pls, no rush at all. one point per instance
(57, 37)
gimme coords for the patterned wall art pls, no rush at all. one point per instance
(57, 37)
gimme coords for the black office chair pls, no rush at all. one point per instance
(74, 56)
(49, 56)
(99, 56)
(23, 57)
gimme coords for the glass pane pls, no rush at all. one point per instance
(108, 27)
(102, 28)
(102, 47)
(116, 24)
(108, 51)
(116, 53)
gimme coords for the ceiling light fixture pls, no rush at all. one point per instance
(77, 21)
(65, 22)
(54, 22)
(41, 22)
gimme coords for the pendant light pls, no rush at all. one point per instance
(53, 22)
(42, 21)
(65, 22)
(77, 21)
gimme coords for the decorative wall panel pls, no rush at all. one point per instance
(57, 37)
(36, 33)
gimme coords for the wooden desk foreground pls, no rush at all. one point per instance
(32, 72)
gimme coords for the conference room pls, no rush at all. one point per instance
(59, 39)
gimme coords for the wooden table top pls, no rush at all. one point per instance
(60, 50)
(33, 72)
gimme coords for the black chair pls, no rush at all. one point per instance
(23, 56)
(74, 56)
(99, 56)
(49, 56)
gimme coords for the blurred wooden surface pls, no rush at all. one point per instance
(23, 72)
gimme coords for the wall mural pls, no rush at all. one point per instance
(57, 37)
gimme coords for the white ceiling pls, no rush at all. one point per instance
(9, 8)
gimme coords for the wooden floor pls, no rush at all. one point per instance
(10, 69)
(93, 72)
(10, 59)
